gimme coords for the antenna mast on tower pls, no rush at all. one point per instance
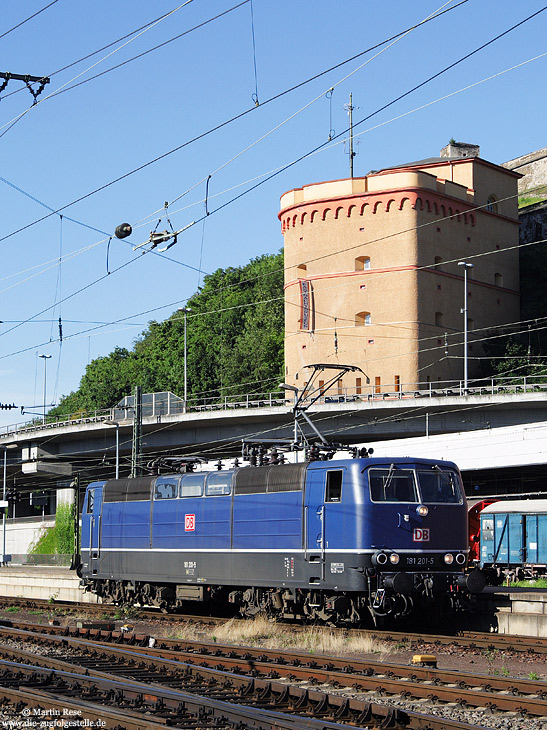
(350, 108)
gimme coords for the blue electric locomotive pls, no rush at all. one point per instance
(325, 540)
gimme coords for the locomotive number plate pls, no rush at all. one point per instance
(422, 560)
(189, 523)
(420, 534)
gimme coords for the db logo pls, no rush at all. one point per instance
(189, 523)
(421, 535)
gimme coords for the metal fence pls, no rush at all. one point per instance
(163, 405)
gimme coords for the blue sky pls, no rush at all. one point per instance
(75, 142)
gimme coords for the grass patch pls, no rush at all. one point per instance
(530, 200)
(538, 583)
(537, 194)
(262, 633)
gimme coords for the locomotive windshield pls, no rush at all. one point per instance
(392, 485)
(407, 485)
(439, 486)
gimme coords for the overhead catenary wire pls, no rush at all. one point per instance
(251, 304)
(54, 262)
(98, 50)
(335, 143)
(292, 116)
(155, 48)
(48, 207)
(365, 131)
(358, 246)
(368, 360)
(382, 108)
(216, 128)
(8, 125)
(222, 445)
(26, 20)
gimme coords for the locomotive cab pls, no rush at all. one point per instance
(416, 524)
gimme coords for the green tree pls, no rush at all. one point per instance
(235, 330)
(512, 360)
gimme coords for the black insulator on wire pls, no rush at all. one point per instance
(123, 230)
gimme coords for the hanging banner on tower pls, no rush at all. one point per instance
(306, 306)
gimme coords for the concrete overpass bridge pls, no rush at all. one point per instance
(449, 422)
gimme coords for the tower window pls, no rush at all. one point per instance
(363, 318)
(362, 263)
(439, 319)
(491, 204)
(498, 279)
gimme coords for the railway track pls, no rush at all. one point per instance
(465, 639)
(361, 693)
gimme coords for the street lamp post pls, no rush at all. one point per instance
(466, 266)
(45, 358)
(185, 311)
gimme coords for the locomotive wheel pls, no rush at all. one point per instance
(256, 601)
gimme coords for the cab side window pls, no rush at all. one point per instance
(90, 501)
(333, 492)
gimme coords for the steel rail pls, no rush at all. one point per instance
(469, 639)
(425, 683)
(173, 705)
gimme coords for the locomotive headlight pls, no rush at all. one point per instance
(422, 510)
(449, 558)
(394, 558)
(460, 558)
(379, 558)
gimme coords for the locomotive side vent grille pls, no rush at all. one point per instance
(260, 479)
(128, 490)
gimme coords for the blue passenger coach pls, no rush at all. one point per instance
(326, 540)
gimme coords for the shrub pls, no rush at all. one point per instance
(57, 540)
